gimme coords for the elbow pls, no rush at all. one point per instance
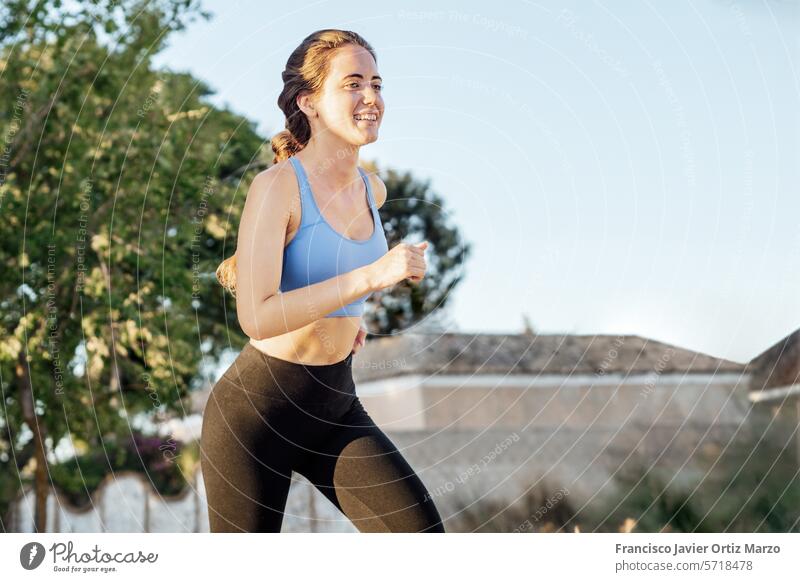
(253, 322)
(252, 330)
(254, 334)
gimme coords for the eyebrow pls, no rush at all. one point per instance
(361, 76)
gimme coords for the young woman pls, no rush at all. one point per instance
(311, 249)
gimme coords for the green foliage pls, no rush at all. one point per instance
(642, 494)
(759, 489)
(115, 184)
(9, 485)
(752, 485)
(156, 458)
(541, 510)
(413, 213)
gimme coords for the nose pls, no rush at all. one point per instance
(370, 96)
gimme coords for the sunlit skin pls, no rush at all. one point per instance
(353, 85)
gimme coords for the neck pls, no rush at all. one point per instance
(335, 164)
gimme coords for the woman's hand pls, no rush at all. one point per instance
(403, 261)
(361, 337)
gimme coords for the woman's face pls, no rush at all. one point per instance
(352, 88)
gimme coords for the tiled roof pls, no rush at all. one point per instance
(777, 366)
(485, 353)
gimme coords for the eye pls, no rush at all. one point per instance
(377, 86)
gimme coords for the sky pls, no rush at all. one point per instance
(618, 167)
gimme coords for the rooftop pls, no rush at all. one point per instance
(486, 353)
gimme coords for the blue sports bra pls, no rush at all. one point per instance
(318, 252)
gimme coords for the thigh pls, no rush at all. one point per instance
(246, 466)
(361, 471)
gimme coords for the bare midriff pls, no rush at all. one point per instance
(325, 341)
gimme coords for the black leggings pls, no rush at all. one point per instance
(267, 417)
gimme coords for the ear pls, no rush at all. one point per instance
(306, 104)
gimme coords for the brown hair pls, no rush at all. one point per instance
(305, 70)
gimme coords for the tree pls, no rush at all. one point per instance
(412, 212)
(114, 181)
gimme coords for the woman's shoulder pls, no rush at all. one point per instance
(277, 181)
(276, 188)
(279, 173)
(378, 187)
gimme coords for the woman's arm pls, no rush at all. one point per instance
(262, 311)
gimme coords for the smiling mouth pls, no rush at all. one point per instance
(368, 117)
